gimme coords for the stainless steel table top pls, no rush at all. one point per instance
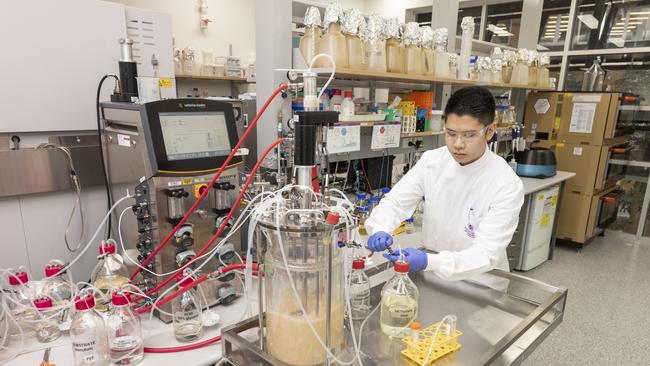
(499, 327)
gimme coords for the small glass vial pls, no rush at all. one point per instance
(88, 334)
(47, 329)
(399, 303)
(186, 313)
(124, 332)
(359, 287)
(410, 226)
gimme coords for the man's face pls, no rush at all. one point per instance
(466, 137)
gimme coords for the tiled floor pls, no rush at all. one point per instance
(607, 319)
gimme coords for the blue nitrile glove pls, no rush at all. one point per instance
(416, 259)
(379, 241)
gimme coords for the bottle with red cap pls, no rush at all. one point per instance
(109, 275)
(88, 334)
(124, 332)
(186, 311)
(359, 290)
(55, 286)
(399, 302)
(47, 329)
(20, 305)
(336, 100)
(347, 105)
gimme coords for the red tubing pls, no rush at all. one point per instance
(187, 347)
(212, 182)
(175, 294)
(250, 178)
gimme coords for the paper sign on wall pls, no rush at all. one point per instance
(577, 151)
(542, 106)
(385, 136)
(582, 117)
(342, 139)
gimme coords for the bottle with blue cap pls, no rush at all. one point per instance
(363, 216)
(384, 192)
(372, 203)
(410, 226)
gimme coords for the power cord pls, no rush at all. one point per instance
(109, 197)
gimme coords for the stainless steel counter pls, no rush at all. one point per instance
(499, 328)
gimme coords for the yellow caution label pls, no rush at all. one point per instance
(554, 201)
(568, 94)
(186, 181)
(165, 82)
(545, 220)
(556, 125)
(559, 145)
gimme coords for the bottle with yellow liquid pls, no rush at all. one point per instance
(399, 303)
(109, 274)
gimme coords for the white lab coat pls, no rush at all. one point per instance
(470, 212)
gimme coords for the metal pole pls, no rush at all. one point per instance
(644, 211)
(328, 314)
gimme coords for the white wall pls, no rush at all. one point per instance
(233, 22)
(394, 8)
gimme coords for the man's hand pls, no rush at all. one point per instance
(416, 259)
(379, 241)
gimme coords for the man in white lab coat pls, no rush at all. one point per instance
(472, 197)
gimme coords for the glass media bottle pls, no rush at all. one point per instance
(399, 303)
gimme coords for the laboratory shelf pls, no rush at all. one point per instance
(200, 77)
(421, 134)
(367, 123)
(342, 73)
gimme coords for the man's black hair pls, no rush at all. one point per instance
(475, 101)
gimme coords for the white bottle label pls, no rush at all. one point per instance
(182, 316)
(86, 350)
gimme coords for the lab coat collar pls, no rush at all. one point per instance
(476, 165)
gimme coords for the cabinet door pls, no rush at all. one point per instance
(56, 52)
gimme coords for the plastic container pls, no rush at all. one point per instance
(395, 56)
(333, 42)
(325, 102)
(357, 55)
(473, 68)
(336, 100)
(186, 311)
(47, 329)
(124, 332)
(520, 69)
(347, 106)
(88, 334)
(414, 60)
(376, 55)
(436, 121)
(309, 43)
(359, 290)
(399, 303)
(21, 308)
(109, 275)
(55, 287)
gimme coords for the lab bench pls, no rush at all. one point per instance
(499, 327)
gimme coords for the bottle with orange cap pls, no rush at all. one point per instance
(124, 332)
(55, 286)
(186, 311)
(20, 305)
(399, 302)
(88, 333)
(109, 275)
(47, 329)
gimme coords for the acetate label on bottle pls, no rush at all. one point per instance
(86, 349)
